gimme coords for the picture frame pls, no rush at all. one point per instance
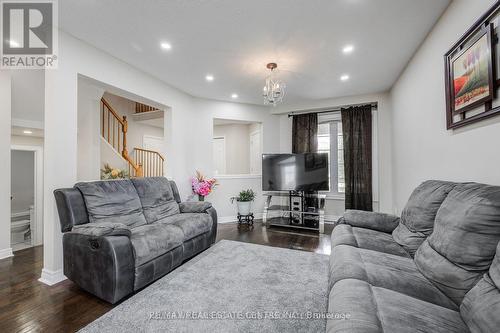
(471, 73)
(471, 79)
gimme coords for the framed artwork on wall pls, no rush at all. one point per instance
(470, 73)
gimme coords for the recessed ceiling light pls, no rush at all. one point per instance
(209, 77)
(348, 49)
(27, 132)
(234, 96)
(344, 77)
(166, 46)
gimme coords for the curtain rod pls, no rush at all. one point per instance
(374, 105)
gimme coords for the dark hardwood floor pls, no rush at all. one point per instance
(27, 305)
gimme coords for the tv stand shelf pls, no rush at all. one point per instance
(304, 211)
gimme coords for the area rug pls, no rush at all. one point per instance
(231, 287)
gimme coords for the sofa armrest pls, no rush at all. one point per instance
(370, 220)
(213, 232)
(202, 207)
(194, 206)
(102, 229)
(103, 265)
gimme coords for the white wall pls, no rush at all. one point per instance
(423, 148)
(89, 131)
(28, 97)
(5, 121)
(188, 136)
(26, 140)
(382, 157)
(22, 180)
(202, 130)
(237, 142)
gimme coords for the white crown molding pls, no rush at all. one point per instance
(27, 123)
(6, 253)
(52, 277)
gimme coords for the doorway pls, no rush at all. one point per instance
(26, 197)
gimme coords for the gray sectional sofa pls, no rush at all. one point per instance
(432, 270)
(121, 235)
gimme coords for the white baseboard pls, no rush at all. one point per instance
(234, 218)
(6, 253)
(51, 277)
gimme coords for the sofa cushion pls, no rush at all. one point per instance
(466, 232)
(191, 224)
(156, 197)
(417, 218)
(344, 234)
(114, 201)
(152, 240)
(481, 305)
(368, 309)
(384, 270)
(194, 206)
(102, 229)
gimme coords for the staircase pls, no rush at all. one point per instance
(143, 162)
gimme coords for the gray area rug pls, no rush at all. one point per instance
(231, 287)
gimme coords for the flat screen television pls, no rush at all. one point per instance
(295, 172)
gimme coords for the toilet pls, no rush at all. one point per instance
(18, 230)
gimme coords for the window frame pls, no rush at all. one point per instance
(333, 120)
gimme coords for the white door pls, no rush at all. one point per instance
(154, 143)
(255, 153)
(219, 155)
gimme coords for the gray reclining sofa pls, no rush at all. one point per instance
(432, 270)
(121, 235)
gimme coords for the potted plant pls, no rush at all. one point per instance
(202, 186)
(244, 201)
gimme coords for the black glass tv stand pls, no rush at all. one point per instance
(295, 209)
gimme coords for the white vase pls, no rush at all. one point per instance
(244, 207)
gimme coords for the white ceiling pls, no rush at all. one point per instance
(234, 39)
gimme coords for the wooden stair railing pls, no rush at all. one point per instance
(114, 131)
(152, 161)
(140, 108)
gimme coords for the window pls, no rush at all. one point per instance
(330, 141)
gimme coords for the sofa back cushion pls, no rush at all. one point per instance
(114, 201)
(157, 198)
(462, 246)
(417, 218)
(481, 305)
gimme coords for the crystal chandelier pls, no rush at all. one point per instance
(274, 90)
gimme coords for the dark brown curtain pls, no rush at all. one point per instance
(357, 133)
(304, 132)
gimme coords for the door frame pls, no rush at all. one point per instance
(37, 235)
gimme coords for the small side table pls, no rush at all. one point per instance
(245, 219)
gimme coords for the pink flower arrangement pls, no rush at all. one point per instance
(202, 186)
